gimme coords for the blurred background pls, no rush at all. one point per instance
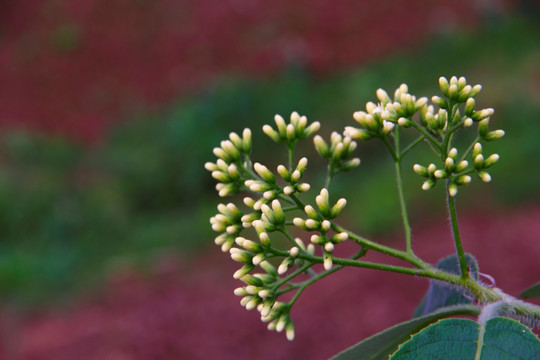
(109, 110)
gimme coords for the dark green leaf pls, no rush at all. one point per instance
(381, 345)
(440, 295)
(450, 339)
(531, 292)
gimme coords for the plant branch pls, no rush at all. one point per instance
(455, 232)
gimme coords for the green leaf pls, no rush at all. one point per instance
(450, 339)
(441, 295)
(531, 292)
(381, 345)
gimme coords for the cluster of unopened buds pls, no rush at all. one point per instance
(455, 110)
(273, 202)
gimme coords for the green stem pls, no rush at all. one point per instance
(427, 135)
(455, 232)
(371, 245)
(291, 157)
(411, 146)
(329, 175)
(402, 204)
(470, 148)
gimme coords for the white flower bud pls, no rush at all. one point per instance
(461, 166)
(338, 207)
(494, 135)
(264, 173)
(271, 133)
(484, 176)
(383, 96)
(327, 261)
(325, 225)
(452, 189)
(477, 149)
(303, 187)
(388, 127)
(312, 224)
(321, 146)
(468, 122)
(289, 331)
(420, 170)
(492, 159)
(265, 239)
(294, 251)
(328, 247)
(444, 85)
(310, 211)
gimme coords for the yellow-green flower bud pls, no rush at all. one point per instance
(312, 224)
(278, 212)
(444, 85)
(420, 170)
(339, 237)
(483, 127)
(383, 96)
(484, 176)
(463, 180)
(283, 172)
(310, 211)
(439, 174)
(230, 149)
(468, 122)
(312, 129)
(494, 135)
(240, 255)
(449, 164)
(338, 207)
(420, 103)
(464, 93)
(479, 161)
(268, 267)
(357, 134)
(475, 90)
(271, 133)
(428, 184)
(452, 189)
(348, 165)
(300, 223)
(477, 149)
(492, 159)
(220, 176)
(462, 81)
(482, 114)
(303, 187)
(290, 132)
(404, 122)
(281, 126)
(244, 270)
(453, 92)
(246, 140)
(469, 106)
(322, 201)
(442, 118)
(317, 239)
(321, 146)
(462, 165)
(264, 173)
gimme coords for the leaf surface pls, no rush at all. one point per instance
(450, 339)
(531, 292)
(381, 345)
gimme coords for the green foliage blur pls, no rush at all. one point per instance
(71, 215)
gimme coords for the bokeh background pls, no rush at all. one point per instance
(109, 109)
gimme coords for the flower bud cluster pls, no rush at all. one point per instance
(320, 221)
(338, 152)
(290, 133)
(259, 289)
(457, 171)
(228, 223)
(226, 169)
(293, 178)
(380, 119)
(457, 90)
